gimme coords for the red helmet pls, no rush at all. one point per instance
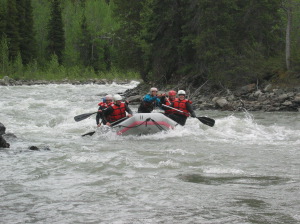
(172, 93)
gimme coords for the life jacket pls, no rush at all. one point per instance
(118, 112)
(181, 105)
(168, 103)
(104, 105)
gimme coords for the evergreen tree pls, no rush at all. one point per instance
(20, 4)
(4, 57)
(56, 36)
(12, 29)
(85, 44)
(27, 43)
(2, 18)
(130, 54)
(163, 34)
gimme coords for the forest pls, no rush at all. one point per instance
(228, 42)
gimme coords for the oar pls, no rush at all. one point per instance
(205, 120)
(83, 116)
(89, 133)
(111, 125)
(118, 121)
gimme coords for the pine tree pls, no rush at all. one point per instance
(12, 29)
(85, 44)
(130, 55)
(2, 19)
(27, 42)
(56, 36)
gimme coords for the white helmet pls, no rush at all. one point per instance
(181, 92)
(108, 97)
(153, 89)
(117, 97)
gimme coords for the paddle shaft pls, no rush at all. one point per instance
(85, 116)
(205, 120)
(111, 125)
(175, 109)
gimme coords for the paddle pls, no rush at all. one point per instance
(205, 120)
(83, 116)
(111, 125)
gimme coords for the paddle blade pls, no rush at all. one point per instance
(83, 116)
(206, 120)
(89, 133)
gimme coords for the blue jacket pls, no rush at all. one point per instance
(149, 99)
(148, 103)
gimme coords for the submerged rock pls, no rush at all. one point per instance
(2, 129)
(3, 143)
(35, 148)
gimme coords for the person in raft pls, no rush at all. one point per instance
(183, 105)
(168, 100)
(117, 110)
(150, 101)
(107, 101)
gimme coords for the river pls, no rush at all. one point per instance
(245, 169)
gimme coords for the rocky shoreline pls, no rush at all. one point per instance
(7, 81)
(266, 98)
(249, 97)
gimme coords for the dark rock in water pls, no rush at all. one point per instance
(3, 143)
(35, 148)
(2, 129)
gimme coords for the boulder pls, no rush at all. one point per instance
(2, 129)
(283, 97)
(287, 103)
(247, 89)
(268, 88)
(3, 143)
(134, 99)
(35, 148)
(258, 93)
(221, 102)
(297, 99)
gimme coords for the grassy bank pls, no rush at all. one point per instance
(55, 72)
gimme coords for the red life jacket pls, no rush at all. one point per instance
(118, 113)
(168, 103)
(181, 105)
(104, 105)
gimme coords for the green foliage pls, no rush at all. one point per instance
(4, 55)
(41, 16)
(12, 31)
(56, 38)
(27, 40)
(130, 54)
(72, 17)
(2, 17)
(227, 41)
(17, 67)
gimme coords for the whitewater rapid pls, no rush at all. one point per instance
(245, 169)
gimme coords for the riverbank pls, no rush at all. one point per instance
(269, 98)
(7, 81)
